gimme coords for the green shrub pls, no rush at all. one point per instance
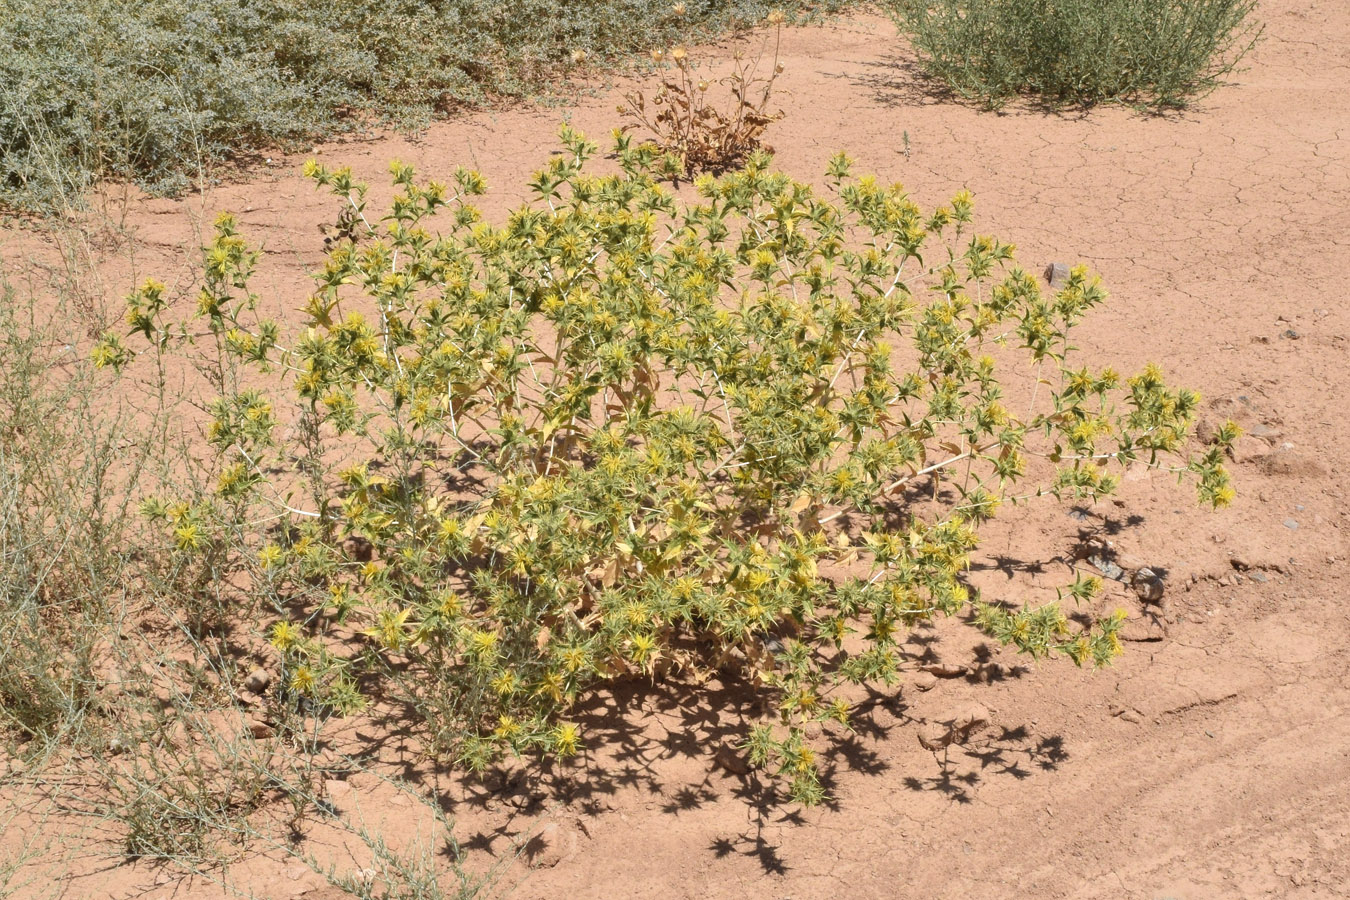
(155, 90)
(620, 434)
(1157, 53)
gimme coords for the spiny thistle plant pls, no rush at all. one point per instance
(709, 133)
(620, 434)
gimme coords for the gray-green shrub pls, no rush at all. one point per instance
(152, 90)
(1155, 53)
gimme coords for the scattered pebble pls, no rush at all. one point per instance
(923, 681)
(1259, 577)
(1291, 524)
(1290, 334)
(1057, 274)
(256, 682)
(732, 760)
(944, 670)
(1107, 567)
(1148, 585)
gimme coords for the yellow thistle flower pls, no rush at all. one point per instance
(566, 739)
(284, 636)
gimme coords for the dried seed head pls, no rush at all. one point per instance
(658, 55)
(678, 53)
(776, 17)
(703, 85)
(778, 69)
(578, 57)
(678, 9)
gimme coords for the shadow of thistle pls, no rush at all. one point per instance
(635, 729)
(1013, 752)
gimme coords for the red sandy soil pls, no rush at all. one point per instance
(1213, 759)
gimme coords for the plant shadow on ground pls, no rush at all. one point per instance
(1014, 752)
(637, 727)
(899, 80)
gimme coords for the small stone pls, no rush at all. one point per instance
(944, 670)
(256, 682)
(1291, 524)
(550, 846)
(1057, 274)
(923, 681)
(732, 760)
(1147, 585)
(1290, 334)
(1259, 577)
(261, 731)
(1131, 716)
(1107, 567)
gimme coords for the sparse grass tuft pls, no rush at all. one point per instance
(61, 526)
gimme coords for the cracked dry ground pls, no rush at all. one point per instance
(1213, 760)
